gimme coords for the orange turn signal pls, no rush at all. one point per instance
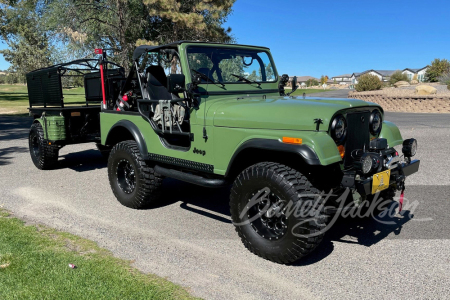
(291, 140)
(341, 150)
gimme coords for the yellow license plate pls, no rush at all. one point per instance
(380, 181)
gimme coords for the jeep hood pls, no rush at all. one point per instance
(285, 113)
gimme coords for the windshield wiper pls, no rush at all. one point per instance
(205, 77)
(246, 80)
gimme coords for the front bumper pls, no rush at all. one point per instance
(397, 179)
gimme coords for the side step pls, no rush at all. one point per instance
(194, 179)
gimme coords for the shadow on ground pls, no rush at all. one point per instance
(5, 157)
(82, 161)
(214, 203)
(13, 128)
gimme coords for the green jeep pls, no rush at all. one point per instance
(217, 115)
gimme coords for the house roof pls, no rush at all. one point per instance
(415, 70)
(385, 72)
(345, 75)
(379, 72)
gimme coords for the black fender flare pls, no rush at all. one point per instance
(308, 155)
(135, 132)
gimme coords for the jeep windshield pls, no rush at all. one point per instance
(231, 65)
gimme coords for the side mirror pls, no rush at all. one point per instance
(294, 84)
(175, 83)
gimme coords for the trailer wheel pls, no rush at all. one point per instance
(43, 155)
(134, 183)
(275, 212)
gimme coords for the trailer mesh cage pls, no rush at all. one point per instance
(45, 87)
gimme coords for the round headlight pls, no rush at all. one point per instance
(339, 128)
(366, 164)
(414, 148)
(375, 122)
(409, 147)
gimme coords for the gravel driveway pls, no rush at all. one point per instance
(191, 241)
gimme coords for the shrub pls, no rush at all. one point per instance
(368, 82)
(312, 82)
(438, 68)
(398, 76)
(12, 78)
(385, 84)
(445, 79)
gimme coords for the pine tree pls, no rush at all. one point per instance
(76, 27)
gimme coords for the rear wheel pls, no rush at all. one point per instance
(43, 155)
(260, 199)
(134, 183)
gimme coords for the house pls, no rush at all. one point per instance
(385, 75)
(342, 79)
(419, 72)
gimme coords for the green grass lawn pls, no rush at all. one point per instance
(34, 264)
(14, 98)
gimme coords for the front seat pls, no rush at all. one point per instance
(157, 90)
(157, 84)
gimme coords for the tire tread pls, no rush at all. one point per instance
(297, 183)
(150, 190)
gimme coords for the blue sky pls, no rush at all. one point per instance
(336, 37)
(3, 64)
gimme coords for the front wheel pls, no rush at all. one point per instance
(276, 211)
(134, 183)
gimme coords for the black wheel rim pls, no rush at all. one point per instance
(35, 145)
(268, 215)
(126, 176)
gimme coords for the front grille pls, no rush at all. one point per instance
(358, 134)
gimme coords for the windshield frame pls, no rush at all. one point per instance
(237, 47)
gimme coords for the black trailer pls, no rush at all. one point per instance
(57, 123)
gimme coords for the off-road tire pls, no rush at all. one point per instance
(292, 186)
(43, 155)
(147, 186)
